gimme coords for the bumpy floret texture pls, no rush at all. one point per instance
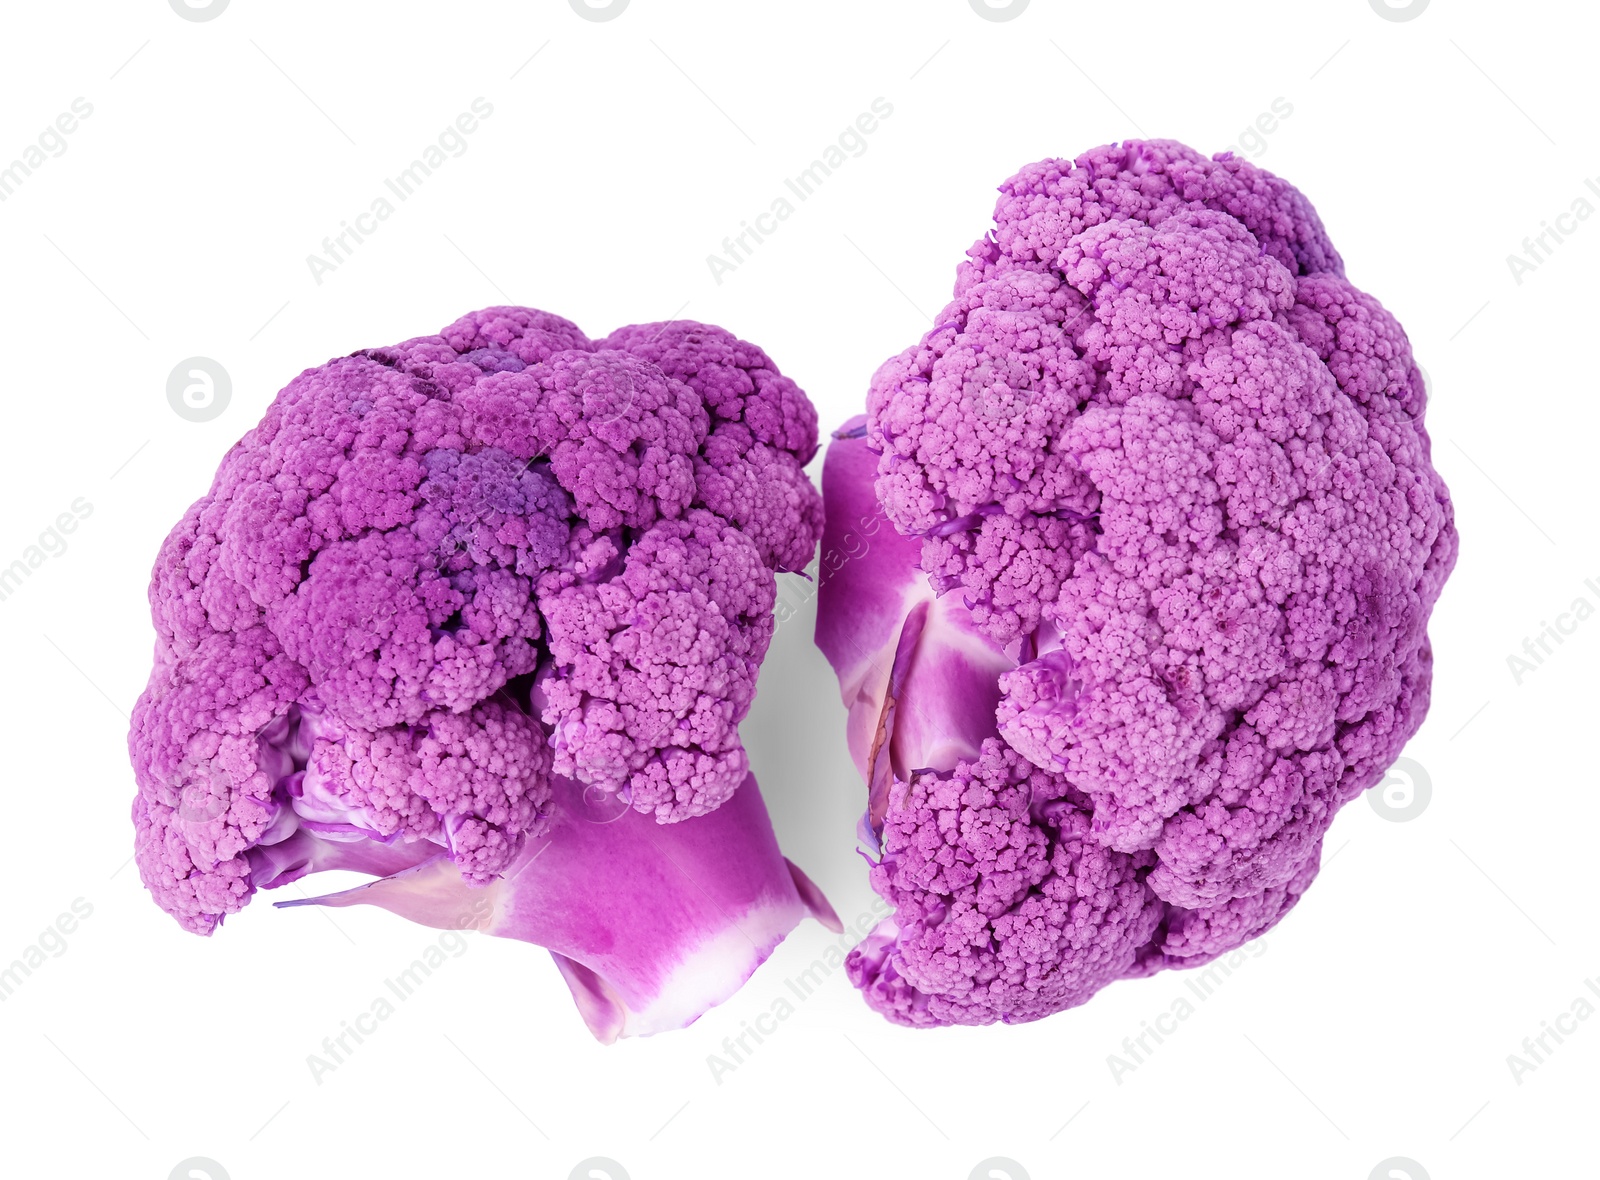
(1173, 463)
(659, 664)
(1003, 900)
(461, 780)
(436, 574)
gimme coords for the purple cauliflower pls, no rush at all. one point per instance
(1151, 603)
(480, 614)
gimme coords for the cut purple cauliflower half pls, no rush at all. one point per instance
(479, 614)
(1128, 573)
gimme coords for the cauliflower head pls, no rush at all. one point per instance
(1161, 535)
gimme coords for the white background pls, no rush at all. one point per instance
(1378, 1019)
